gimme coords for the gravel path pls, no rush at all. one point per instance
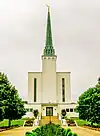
(22, 130)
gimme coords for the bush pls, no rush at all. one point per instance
(29, 122)
(50, 130)
(70, 133)
(74, 134)
(28, 134)
(66, 117)
(71, 121)
(68, 130)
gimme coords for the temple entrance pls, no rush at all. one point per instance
(49, 111)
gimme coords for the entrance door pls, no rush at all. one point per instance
(49, 111)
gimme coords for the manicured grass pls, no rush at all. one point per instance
(84, 123)
(19, 122)
(81, 122)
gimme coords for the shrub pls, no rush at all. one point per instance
(68, 130)
(66, 117)
(70, 134)
(29, 122)
(28, 134)
(71, 121)
(74, 134)
(50, 130)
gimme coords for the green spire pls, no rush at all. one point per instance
(49, 50)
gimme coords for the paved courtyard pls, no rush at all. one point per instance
(22, 130)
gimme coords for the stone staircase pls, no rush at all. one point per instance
(46, 120)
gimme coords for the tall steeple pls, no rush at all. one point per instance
(49, 50)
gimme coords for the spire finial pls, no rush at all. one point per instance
(48, 8)
(49, 50)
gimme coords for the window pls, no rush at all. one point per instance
(31, 110)
(35, 88)
(63, 99)
(63, 90)
(71, 110)
(67, 110)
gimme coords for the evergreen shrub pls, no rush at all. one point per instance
(51, 130)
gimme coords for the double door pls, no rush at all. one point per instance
(49, 111)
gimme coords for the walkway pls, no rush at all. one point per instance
(16, 132)
(22, 130)
(84, 131)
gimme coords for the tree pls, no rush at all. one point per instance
(89, 105)
(11, 102)
(63, 112)
(4, 83)
(36, 112)
(1, 113)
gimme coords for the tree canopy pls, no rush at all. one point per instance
(89, 104)
(11, 105)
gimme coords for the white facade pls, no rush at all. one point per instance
(49, 84)
(49, 88)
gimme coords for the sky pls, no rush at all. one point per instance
(76, 39)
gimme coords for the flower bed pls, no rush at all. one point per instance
(70, 122)
(51, 130)
(29, 122)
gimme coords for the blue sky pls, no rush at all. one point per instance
(76, 39)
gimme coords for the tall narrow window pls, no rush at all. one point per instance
(35, 88)
(63, 90)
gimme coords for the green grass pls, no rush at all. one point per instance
(19, 122)
(74, 118)
(81, 122)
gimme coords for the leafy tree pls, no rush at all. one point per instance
(36, 112)
(1, 113)
(11, 102)
(63, 112)
(4, 83)
(89, 105)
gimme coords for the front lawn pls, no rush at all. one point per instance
(19, 122)
(81, 122)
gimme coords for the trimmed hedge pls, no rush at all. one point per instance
(51, 130)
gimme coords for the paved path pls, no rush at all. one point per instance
(85, 131)
(22, 130)
(16, 132)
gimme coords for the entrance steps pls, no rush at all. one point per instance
(48, 117)
(46, 120)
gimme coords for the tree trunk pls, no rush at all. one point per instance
(91, 124)
(9, 123)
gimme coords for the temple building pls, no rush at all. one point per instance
(49, 91)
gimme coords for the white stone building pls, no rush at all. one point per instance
(49, 91)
